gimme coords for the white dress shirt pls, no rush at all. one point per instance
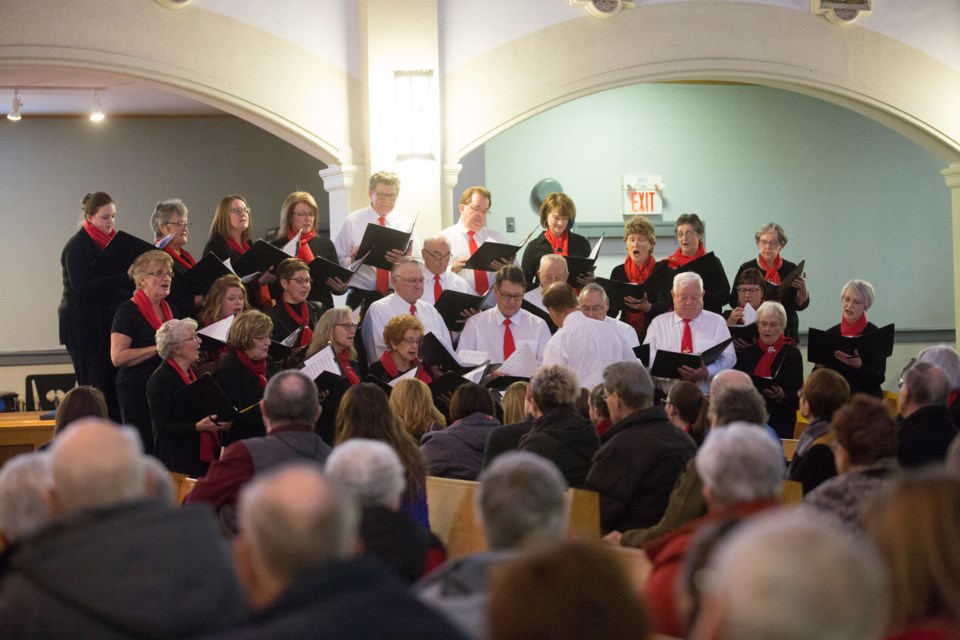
(535, 297)
(392, 305)
(627, 333)
(708, 329)
(351, 233)
(484, 332)
(448, 280)
(460, 246)
(587, 346)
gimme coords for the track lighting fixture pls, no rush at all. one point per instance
(14, 114)
(96, 115)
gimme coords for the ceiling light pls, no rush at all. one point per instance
(14, 114)
(96, 115)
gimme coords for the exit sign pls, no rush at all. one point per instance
(641, 195)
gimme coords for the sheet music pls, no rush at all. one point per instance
(403, 376)
(474, 375)
(529, 235)
(596, 249)
(355, 315)
(749, 314)
(356, 264)
(219, 330)
(250, 277)
(291, 247)
(521, 363)
(164, 241)
(469, 356)
(321, 361)
(291, 339)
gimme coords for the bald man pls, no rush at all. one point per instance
(117, 564)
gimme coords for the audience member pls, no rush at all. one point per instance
(412, 404)
(947, 360)
(24, 510)
(686, 407)
(521, 500)
(926, 428)
(79, 402)
(514, 402)
(290, 410)
(823, 393)
(519, 424)
(559, 433)
(457, 451)
(598, 411)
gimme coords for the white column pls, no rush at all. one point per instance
(346, 185)
(952, 177)
(450, 175)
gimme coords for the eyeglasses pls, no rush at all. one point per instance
(385, 196)
(510, 297)
(180, 225)
(240, 210)
(594, 309)
(769, 243)
(304, 214)
(410, 281)
(160, 274)
(349, 326)
(300, 281)
(436, 255)
(686, 234)
(478, 209)
(748, 289)
(411, 341)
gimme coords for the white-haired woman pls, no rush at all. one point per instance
(776, 365)
(864, 370)
(171, 218)
(947, 360)
(183, 443)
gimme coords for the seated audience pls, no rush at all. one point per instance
(742, 472)
(242, 373)
(79, 402)
(514, 402)
(517, 422)
(365, 413)
(521, 500)
(947, 360)
(952, 463)
(412, 404)
(24, 510)
(824, 392)
(865, 453)
(567, 591)
(785, 575)
(598, 411)
(116, 564)
(686, 408)
(296, 558)
(290, 409)
(559, 433)
(457, 451)
(926, 428)
(640, 457)
(916, 528)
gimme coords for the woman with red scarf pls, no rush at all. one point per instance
(771, 238)
(557, 215)
(337, 329)
(864, 371)
(183, 444)
(90, 299)
(299, 213)
(402, 335)
(170, 223)
(133, 346)
(640, 238)
(242, 373)
(293, 310)
(776, 366)
(230, 238)
(689, 229)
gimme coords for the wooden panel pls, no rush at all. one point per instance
(792, 492)
(22, 433)
(789, 448)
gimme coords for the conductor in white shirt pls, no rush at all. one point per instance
(553, 268)
(500, 330)
(469, 233)
(407, 281)
(436, 259)
(595, 304)
(369, 283)
(583, 344)
(690, 329)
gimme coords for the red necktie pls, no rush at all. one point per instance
(686, 343)
(437, 289)
(383, 276)
(413, 310)
(479, 277)
(508, 346)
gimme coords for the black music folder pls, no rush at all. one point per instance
(490, 252)
(617, 290)
(666, 363)
(747, 332)
(120, 253)
(434, 353)
(259, 258)
(321, 269)
(198, 280)
(777, 292)
(533, 309)
(706, 266)
(822, 344)
(451, 304)
(204, 397)
(379, 241)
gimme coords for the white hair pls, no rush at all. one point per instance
(683, 279)
(370, 470)
(24, 481)
(741, 463)
(946, 359)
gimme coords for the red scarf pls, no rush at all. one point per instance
(637, 275)
(391, 368)
(851, 330)
(183, 257)
(677, 259)
(559, 245)
(259, 367)
(99, 238)
(302, 319)
(239, 248)
(209, 440)
(343, 358)
(764, 367)
(303, 250)
(770, 272)
(148, 312)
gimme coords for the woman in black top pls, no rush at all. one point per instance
(170, 222)
(640, 238)
(557, 215)
(864, 371)
(293, 310)
(230, 239)
(242, 374)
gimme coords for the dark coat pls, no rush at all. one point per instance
(577, 246)
(457, 451)
(137, 570)
(925, 436)
(789, 363)
(349, 599)
(659, 302)
(284, 325)
(789, 300)
(176, 439)
(868, 378)
(243, 388)
(566, 439)
(812, 462)
(505, 438)
(639, 461)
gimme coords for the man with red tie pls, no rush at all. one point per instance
(369, 283)
(436, 259)
(690, 329)
(469, 233)
(407, 282)
(501, 330)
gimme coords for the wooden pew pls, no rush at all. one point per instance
(22, 432)
(789, 448)
(184, 484)
(452, 516)
(792, 492)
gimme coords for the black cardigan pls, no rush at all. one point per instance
(242, 387)
(174, 430)
(577, 246)
(789, 301)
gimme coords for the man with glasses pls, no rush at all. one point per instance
(436, 260)
(595, 304)
(407, 281)
(469, 233)
(369, 283)
(553, 269)
(503, 329)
